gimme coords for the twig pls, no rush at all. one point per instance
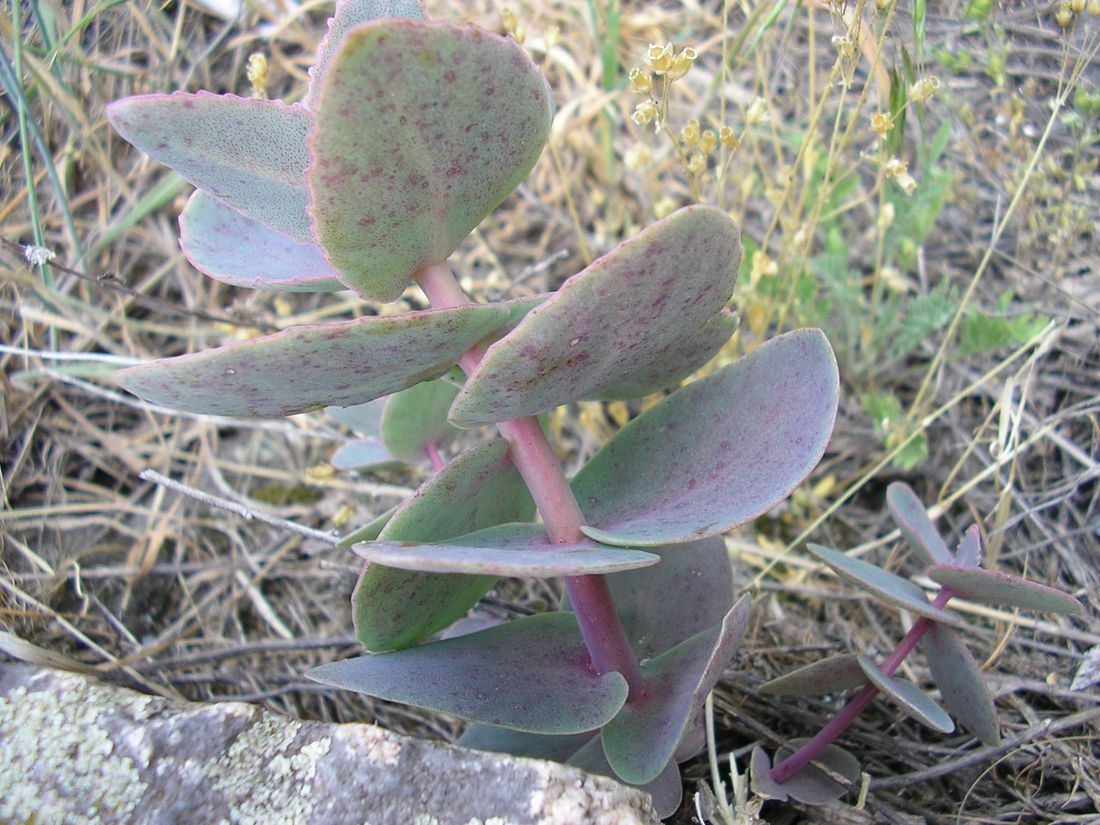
(237, 509)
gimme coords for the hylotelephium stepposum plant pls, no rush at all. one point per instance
(411, 132)
(952, 667)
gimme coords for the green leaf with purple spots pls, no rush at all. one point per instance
(421, 130)
(718, 452)
(665, 791)
(520, 550)
(960, 681)
(415, 420)
(912, 519)
(477, 489)
(884, 584)
(532, 674)
(641, 740)
(369, 531)
(1003, 589)
(908, 697)
(347, 15)
(341, 364)
(247, 152)
(231, 247)
(640, 318)
(829, 675)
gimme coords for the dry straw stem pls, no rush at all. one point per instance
(106, 571)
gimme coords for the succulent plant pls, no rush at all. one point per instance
(803, 774)
(411, 132)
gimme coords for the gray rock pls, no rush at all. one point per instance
(74, 750)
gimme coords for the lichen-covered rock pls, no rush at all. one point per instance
(73, 750)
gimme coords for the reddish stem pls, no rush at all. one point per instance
(434, 456)
(811, 749)
(603, 633)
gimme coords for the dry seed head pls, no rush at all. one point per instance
(690, 133)
(682, 63)
(697, 163)
(1064, 16)
(660, 57)
(845, 46)
(708, 141)
(642, 81)
(728, 139)
(895, 167)
(645, 112)
(757, 112)
(256, 72)
(924, 88)
(881, 124)
(906, 183)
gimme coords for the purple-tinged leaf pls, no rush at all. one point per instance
(1088, 672)
(642, 739)
(308, 367)
(231, 247)
(995, 587)
(363, 454)
(635, 314)
(247, 152)
(760, 777)
(911, 699)
(830, 675)
(665, 791)
(416, 418)
(506, 550)
(912, 519)
(812, 785)
(531, 674)
(420, 131)
(519, 743)
(347, 15)
(961, 685)
(477, 489)
(717, 453)
(969, 552)
(882, 583)
(368, 532)
(700, 576)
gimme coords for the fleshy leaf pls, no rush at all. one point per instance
(717, 453)
(642, 739)
(477, 489)
(506, 550)
(633, 315)
(417, 417)
(362, 419)
(369, 531)
(363, 454)
(231, 247)
(884, 584)
(247, 152)
(421, 130)
(995, 587)
(308, 367)
(829, 675)
(532, 674)
(961, 685)
(760, 769)
(666, 790)
(969, 552)
(347, 15)
(911, 699)
(811, 785)
(912, 519)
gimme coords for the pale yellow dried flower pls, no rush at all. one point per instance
(906, 183)
(256, 72)
(727, 138)
(1064, 16)
(697, 163)
(845, 46)
(644, 112)
(682, 63)
(690, 133)
(660, 57)
(895, 167)
(757, 112)
(924, 88)
(708, 142)
(1077, 6)
(642, 81)
(637, 156)
(881, 124)
(512, 25)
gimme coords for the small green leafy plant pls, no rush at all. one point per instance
(411, 132)
(953, 668)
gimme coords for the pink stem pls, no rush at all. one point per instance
(533, 457)
(434, 456)
(811, 749)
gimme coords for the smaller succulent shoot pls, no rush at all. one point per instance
(964, 696)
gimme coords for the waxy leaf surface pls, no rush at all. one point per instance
(910, 698)
(506, 550)
(961, 685)
(995, 587)
(718, 452)
(362, 419)
(421, 130)
(666, 790)
(247, 152)
(308, 367)
(347, 15)
(811, 785)
(477, 489)
(642, 739)
(884, 584)
(369, 531)
(416, 418)
(235, 249)
(969, 552)
(633, 316)
(532, 674)
(912, 519)
(363, 454)
(826, 676)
